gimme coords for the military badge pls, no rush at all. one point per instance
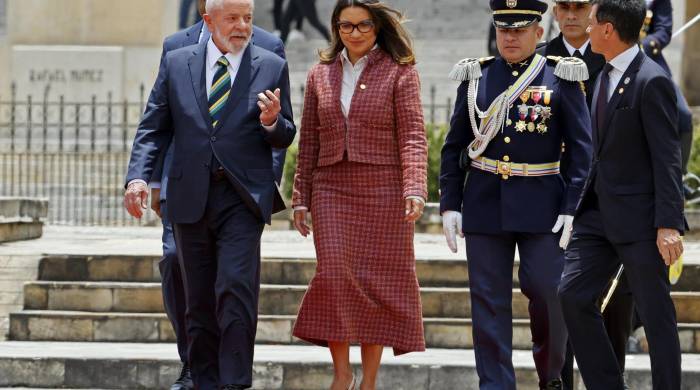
(511, 3)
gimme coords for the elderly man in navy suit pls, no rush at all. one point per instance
(171, 278)
(631, 208)
(215, 102)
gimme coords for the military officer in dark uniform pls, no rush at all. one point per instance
(573, 18)
(510, 119)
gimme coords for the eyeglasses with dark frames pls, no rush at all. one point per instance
(364, 26)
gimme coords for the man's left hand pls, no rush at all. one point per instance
(670, 245)
(565, 223)
(270, 106)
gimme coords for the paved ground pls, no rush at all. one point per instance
(279, 354)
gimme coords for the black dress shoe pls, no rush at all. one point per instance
(184, 381)
(554, 384)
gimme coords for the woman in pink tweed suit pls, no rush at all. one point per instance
(362, 177)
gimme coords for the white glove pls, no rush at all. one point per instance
(451, 225)
(567, 222)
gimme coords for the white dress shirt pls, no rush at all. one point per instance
(620, 65)
(351, 74)
(571, 49)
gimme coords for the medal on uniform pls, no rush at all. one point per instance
(523, 110)
(525, 96)
(536, 96)
(547, 97)
(534, 114)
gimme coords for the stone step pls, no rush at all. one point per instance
(279, 270)
(296, 271)
(290, 367)
(441, 302)
(45, 325)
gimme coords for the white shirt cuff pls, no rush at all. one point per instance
(418, 198)
(154, 185)
(301, 208)
(137, 181)
(271, 127)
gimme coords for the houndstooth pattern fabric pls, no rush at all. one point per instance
(365, 288)
(354, 180)
(384, 126)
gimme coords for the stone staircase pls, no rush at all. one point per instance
(97, 321)
(89, 303)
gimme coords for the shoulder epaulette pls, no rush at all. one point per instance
(569, 68)
(470, 68)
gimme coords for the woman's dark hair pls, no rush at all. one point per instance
(627, 16)
(392, 37)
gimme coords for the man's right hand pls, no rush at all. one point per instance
(451, 226)
(155, 201)
(300, 222)
(136, 198)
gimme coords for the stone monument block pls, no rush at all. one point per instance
(77, 72)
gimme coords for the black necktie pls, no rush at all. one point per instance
(602, 102)
(578, 54)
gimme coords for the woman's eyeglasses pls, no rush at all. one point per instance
(364, 26)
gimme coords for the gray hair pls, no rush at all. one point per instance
(213, 4)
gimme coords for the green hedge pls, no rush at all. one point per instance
(694, 162)
(436, 137)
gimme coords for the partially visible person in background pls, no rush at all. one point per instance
(307, 9)
(188, 14)
(362, 176)
(277, 16)
(656, 34)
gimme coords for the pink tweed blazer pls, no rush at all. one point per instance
(384, 125)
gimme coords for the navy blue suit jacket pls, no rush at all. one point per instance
(660, 32)
(491, 205)
(178, 110)
(188, 37)
(636, 170)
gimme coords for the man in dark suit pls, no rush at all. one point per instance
(631, 209)
(215, 102)
(656, 34)
(573, 18)
(171, 278)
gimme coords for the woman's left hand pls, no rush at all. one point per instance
(414, 210)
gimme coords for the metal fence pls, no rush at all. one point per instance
(75, 153)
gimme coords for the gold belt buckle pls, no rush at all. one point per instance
(504, 168)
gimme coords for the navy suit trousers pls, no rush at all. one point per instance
(172, 285)
(490, 261)
(591, 261)
(220, 257)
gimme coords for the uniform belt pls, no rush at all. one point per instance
(515, 169)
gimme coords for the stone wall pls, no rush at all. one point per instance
(22, 218)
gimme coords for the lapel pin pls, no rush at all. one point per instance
(621, 91)
(627, 81)
(362, 86)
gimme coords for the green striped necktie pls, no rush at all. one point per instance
(220, 89)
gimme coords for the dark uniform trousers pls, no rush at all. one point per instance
(591, 261)
(223, 246)
(490, 264)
